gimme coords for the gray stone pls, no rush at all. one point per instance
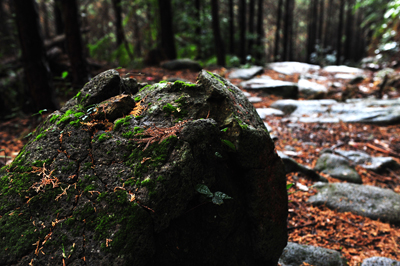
(380, 261)
(377, 164)
(337, 167)
(295, 254)
(291, 166)
(290, 68)
(372, 111)
(309, 88)
(184, 63)
(285, 89)
(191, 161)
(255, 99)
(246, 73)
(264, 112)
(369, 201)
(343, 69)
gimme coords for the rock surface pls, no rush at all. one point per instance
(338, 167)
(382, 112)
(285, 89)
(373, 202)
(295, 255)
(309, 88)
(183, 180)
(246, 73)
(380, 261)
(290, 68)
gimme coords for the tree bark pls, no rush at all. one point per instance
(46, 27)
(219, 46)
(260, 32)
(287, 30)
(167, 32)
(118, 22)
(198, 28)
(251, 27)
(339, 34)
(277, 32)
(36, 67)
(242, 31)
(321, 21)
(328, 26)
(348, 55)
(58, 20)
(312, 29)
(231, 29)
(79, 70)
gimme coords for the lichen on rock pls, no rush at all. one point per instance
(112, 179)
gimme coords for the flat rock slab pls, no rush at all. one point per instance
(380, 261)
(264, 112)
(369, 201)
(376, 164)
(246, 73)
(343, 69)
(267, 85)
(290, 68)
(184, 63)
(338, 167)
(372, 111)
(309, 88)
(296, 254)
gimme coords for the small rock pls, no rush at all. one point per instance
(181, 64)
(296, 254)
(369, 201)
(309, 88)
(246, 73)
(264, 112)
(343, 69)
(337, 167)
(380, 261)
(290, 68)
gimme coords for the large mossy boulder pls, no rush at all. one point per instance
(174, 174)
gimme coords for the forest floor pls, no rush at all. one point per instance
(356, 237)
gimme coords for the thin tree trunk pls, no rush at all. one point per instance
(339, 34)
(328, 26)
(167, 32)
(137, 35)
(286, 30)
(312, 30)
(242, 31)
(219, 46)
(36, 68)
(290, 32)
(260, 32)
(251, 27)
(321, 21)
(278, 29)
(231, 29)
(118, 27)
(349, 32)
(80, 73)
(198, 28)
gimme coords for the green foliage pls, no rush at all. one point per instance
(229, 144)
(216, 198)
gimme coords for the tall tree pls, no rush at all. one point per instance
(328, 26)
(260, 32)
(36, 68)
(58, 20)
(348, 55)
(251, 27)
(278, 30)
(231, 29)
(219, 45)
(198, 27)
(287, 30)
(79, 69)
(118, 22)
(340, 34)
(312, 29)
(242, 31)
(167, 32)
(321, 21)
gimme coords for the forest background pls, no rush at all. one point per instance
(134, 34)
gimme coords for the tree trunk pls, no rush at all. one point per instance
(167, 32)
(312, 30)
(58, 20)
(219, 46)
(328, 26)
(242, 31)
(198, 28)
(348, 55)
(277, 32)
(231, 29)
(290, 32)
(118, 22)
(36, 68)
(251, 27)
(46, 27)
(287, 30)
(137, 35)
(339, 34)
(79, 71)
(260, 32)
(321, 22)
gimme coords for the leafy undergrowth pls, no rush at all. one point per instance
(354, 236)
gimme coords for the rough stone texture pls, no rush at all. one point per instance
(246, 73)
(308, 88)
(295, 254)
(380, 261)
(285, 89)
(290, 68)
(181, 64)
(338, 167)
(373, 202)
(291, 166)
(140, 190)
